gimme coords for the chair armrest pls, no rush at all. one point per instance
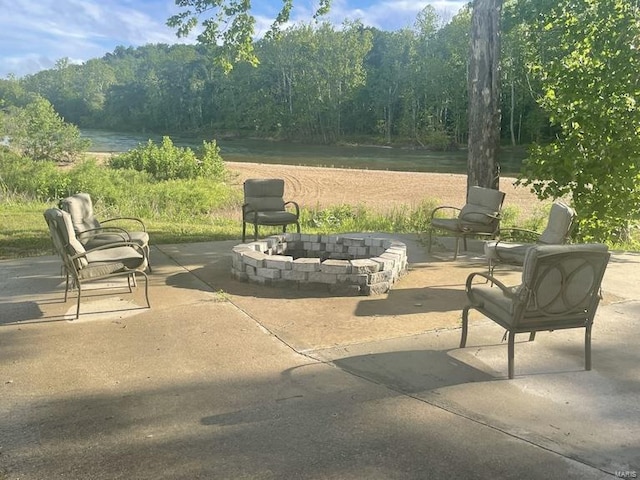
(94, 232)
(515, 232)
(494, 216)
(508, 292)
(134, 219)
(295, 205)
(133, 245)
(433, 212)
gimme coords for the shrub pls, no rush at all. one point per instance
(38, 132)
(168, 162)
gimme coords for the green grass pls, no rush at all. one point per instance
(181, 211)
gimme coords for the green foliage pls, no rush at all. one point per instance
(38, 132)
(231, 24)
(587, 61)
(167, 162)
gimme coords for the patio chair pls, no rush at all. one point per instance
(557, 231)
(104, 261)
(264, 205)
(94, 233)
(480, 216)
(560, 289)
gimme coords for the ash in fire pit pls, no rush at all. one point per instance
(345, 265)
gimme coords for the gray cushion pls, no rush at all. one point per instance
(560, 220)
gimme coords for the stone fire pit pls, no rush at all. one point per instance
(340, 264)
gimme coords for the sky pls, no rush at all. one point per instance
(34, 34)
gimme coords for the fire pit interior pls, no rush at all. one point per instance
(345, 265)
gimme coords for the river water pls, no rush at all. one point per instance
(263, 151)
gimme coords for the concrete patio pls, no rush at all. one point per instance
(222, 379)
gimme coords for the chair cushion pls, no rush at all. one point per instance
(271, 218)
(477, 214)
(264, 194)
(560, 220)
(494, 301)
(485, 197)
(511, 253)
(141, 238)
(111, 260)
(80, 207)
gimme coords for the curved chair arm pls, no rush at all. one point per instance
(246, 209)
(507, 291)
(493, 216)
(530, 235)
(442, 207)
(133, 245)
(295, 205)
(94, 232)
(135, 219)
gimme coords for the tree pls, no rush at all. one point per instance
(230, 23)
(587, 56)
(484, 94)
(39, 133)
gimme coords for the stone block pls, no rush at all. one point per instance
(335, 266)
(255, 259)
(384, 276)
(270, 273)
(294, 275)
(355, 279)
(364, 265)
(376, 289)
(279, 262)
(321, 277)
(307, 264)
(385, 263)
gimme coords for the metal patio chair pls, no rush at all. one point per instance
(560, 289)
(480, 216)
(81, 265)
(264, 205)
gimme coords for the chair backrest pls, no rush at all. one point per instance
(264, 194)
(64, 239)
(562, 281)
(80, 207)
(483, 206)
(559, 224)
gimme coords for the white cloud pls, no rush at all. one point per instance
(38, 33)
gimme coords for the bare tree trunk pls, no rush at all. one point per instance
(484, 94)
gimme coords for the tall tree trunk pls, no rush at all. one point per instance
(484, 94)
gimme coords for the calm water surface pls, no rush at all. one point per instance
(261, 151)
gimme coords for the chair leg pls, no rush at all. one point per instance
(511, 352)
(587, 348)
(298, 226)
(455, 250)
(78, 304)
(430, 235)
(146, 289)
(255, 232)
(464, 243)
(284, 228)
(465, 326)
(66, 288)
(148, 252)
(244, 231)
(532, 336)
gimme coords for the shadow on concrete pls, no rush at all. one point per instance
(409, 301)
(413, 371)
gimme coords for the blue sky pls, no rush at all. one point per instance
(34, 34)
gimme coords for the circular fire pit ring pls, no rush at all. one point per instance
(346, 265)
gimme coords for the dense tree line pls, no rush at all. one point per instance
(314, 82)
